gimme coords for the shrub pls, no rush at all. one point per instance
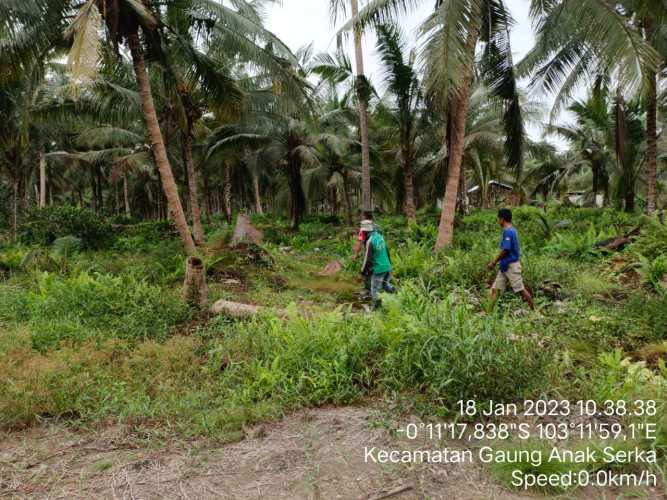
(83, 307)
(449, 353)
(66, 247)
(436, 351)
(10, 260)
(413, 260)
(14, 300)
(92, 381)
(154, 231)
(44, 226)
(653, 271)
(652, 243)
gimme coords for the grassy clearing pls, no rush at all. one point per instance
(101, 334)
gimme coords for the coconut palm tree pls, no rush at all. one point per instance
(630, 145)
(578, 41)
(202, 77)
(451, 36)
(126, 22)
(337, 150)
(402, 81)
(591, 137)
(362, 87)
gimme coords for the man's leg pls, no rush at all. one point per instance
(366, 292)
(516, 280)
(376, 287)
(387, 286)
(493, 297)
(499, 284)
(525, 294)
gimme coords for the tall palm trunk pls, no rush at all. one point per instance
(651, 128)
(346, 198)
(297, 196)
(600, 178)
(228, 192)
(651, 145)
(197, 228)
(627, 180)
(126, 196)
(207, 196)
(15, 209)
(463, 194)
(362, 94)
(408, 185)
(460, 114)
(159, 150)
(257, 193)
(42, 180)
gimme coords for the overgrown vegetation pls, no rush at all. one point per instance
(105, 334)
(169, 119)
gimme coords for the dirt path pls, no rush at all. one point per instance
(315, 454)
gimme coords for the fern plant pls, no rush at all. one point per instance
(653, 271)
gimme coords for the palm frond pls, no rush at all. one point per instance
(85, 32)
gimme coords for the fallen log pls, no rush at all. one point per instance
(236, 309)
(618, 243)
(243, 311)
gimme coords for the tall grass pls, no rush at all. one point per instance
(84, 307)
(433, 353)
(96, 338)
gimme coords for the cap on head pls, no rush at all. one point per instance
(367, 225)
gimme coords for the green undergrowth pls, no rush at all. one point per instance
(90, 334)
(446, 354)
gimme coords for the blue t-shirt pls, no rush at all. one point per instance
(509, 243)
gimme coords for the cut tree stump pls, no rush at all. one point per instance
(195, 290)
(246, 232)
(332, 268)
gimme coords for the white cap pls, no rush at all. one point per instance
(367, 225)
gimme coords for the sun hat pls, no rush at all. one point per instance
(367, 225)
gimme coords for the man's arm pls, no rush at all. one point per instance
(367, 266)
(495, 261)
(358, 245)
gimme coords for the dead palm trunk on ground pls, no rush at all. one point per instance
(362, 94)
(461, 102)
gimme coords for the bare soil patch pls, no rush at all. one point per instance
(313, 454)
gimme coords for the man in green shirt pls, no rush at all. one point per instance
(377, 263)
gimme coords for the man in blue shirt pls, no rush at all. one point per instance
(509, 259)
